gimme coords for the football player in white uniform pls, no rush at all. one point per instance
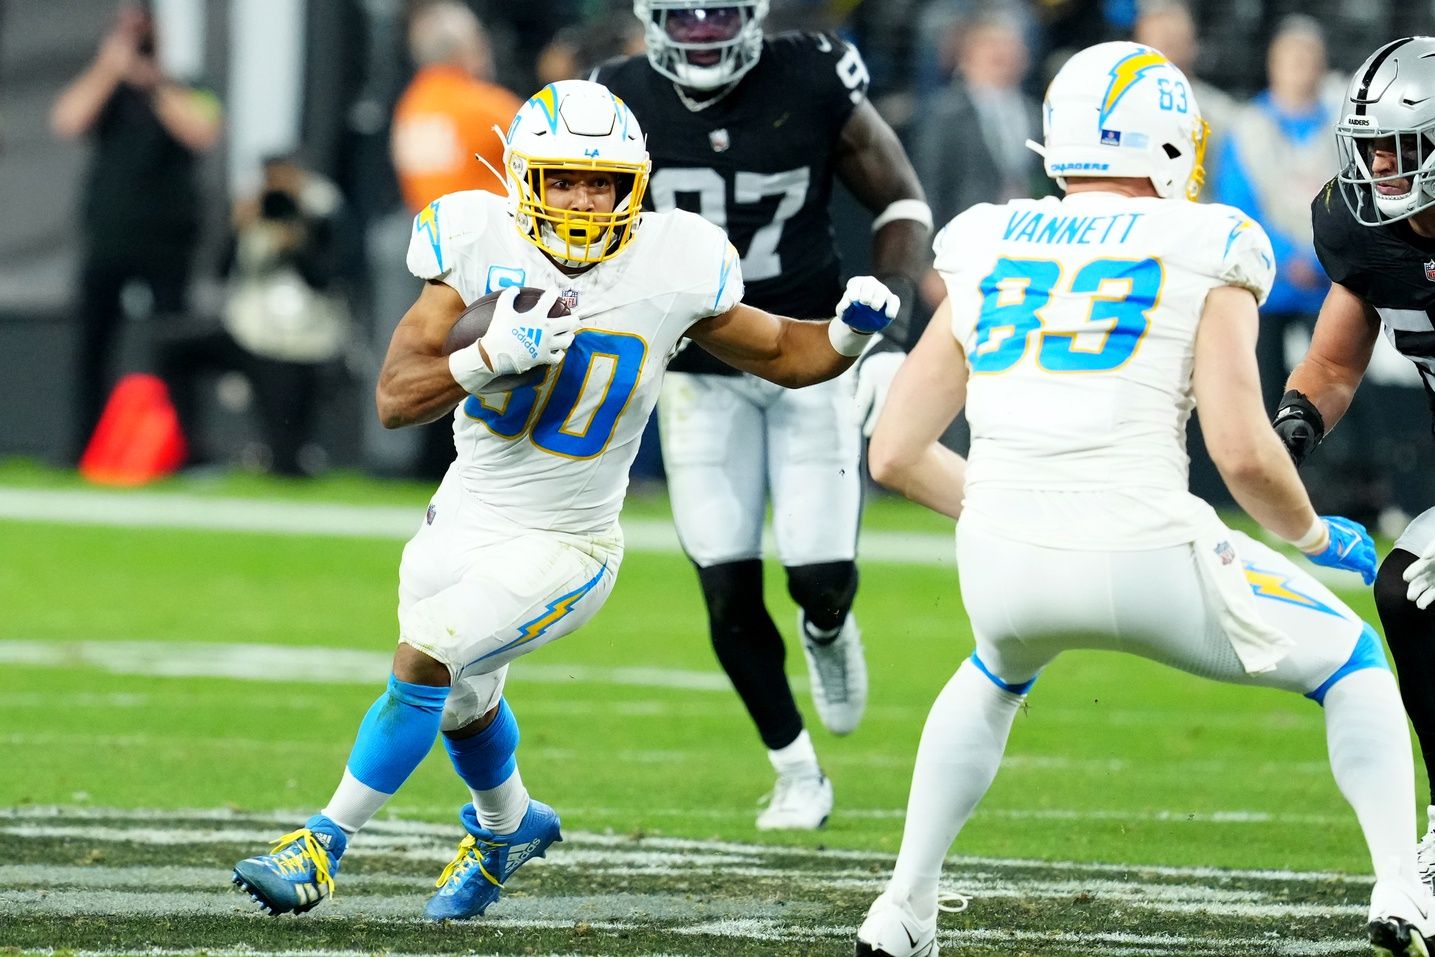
(521, 544)
(1079, 333)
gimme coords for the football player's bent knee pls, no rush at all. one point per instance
(417, 667)
(1368, 654)
(824, 591)
(1390, 584)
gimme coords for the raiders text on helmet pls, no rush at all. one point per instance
(1386, 133)
(1123, 109)
(702, 44)
(575, 125)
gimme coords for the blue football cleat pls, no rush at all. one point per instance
(298, 872)
(485, 860)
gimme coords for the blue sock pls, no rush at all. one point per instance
(396, 734)
(486, 760)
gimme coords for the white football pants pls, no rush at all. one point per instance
(1028, 603)
(729, 441)
(477, 591)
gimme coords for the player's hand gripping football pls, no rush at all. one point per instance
(1421, 576)
(517, 341)
(1349, 548)
(866, 308)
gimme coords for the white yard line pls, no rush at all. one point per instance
(310, 665)
(180, 510)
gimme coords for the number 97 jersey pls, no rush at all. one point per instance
(1078, 318)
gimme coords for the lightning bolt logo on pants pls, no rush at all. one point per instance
(1277, 586)
(552, 613)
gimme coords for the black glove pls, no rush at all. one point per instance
(1299, 424)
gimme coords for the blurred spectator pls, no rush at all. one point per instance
(445, 116)
(1167, 26)
(140, 214)
(1279, 155)
(576, 50)
(447, 113)
(284, 320)
(972, 147)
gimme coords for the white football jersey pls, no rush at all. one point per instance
(1078, 318)
(556, 456)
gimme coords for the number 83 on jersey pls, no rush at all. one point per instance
(1093, 324)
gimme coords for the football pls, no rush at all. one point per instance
(473, 323)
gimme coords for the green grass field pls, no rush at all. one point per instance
(173, 697)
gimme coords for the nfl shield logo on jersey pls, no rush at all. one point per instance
(1430, 270)
(720, 140)
(569, 298)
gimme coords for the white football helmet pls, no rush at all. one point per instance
(1389, 106)
(575, 125)
(702, 44)
(1123, 109)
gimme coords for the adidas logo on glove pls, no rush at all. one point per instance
(529, 337)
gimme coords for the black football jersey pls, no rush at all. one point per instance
(1391, 268)
(757, 162)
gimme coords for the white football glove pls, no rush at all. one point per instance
(866, 308)
(1421, 576)
(517, 341)
(875, 373)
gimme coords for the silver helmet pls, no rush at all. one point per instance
(702, 44)
(1386, 133)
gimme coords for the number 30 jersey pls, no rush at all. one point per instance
(1078, 317)
(556, 456)
(759, 162)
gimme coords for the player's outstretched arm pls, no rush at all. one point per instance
(792, 352)
(872, 164)
(1322, 384)
(927, 393)
(1251, 459)
(415, 383)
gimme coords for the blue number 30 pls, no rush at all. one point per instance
(1017, 290)
(553, 430)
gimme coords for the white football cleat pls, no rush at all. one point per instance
(799, 802)
(892, 930)
(838, 673)
(1401, 920)
(1425, 853)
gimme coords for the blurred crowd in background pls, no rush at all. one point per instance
(260, 279)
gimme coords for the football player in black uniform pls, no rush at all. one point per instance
(1375, 235)
(750, 133)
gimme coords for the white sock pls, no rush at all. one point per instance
(354, 804)
(501, 809)
(1370, 756)
(961, 749)
(798, 759)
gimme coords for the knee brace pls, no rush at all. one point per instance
(824, 591)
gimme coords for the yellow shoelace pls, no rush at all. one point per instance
(465, 847)
(312, 851)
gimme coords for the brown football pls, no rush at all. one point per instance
(473, 323)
